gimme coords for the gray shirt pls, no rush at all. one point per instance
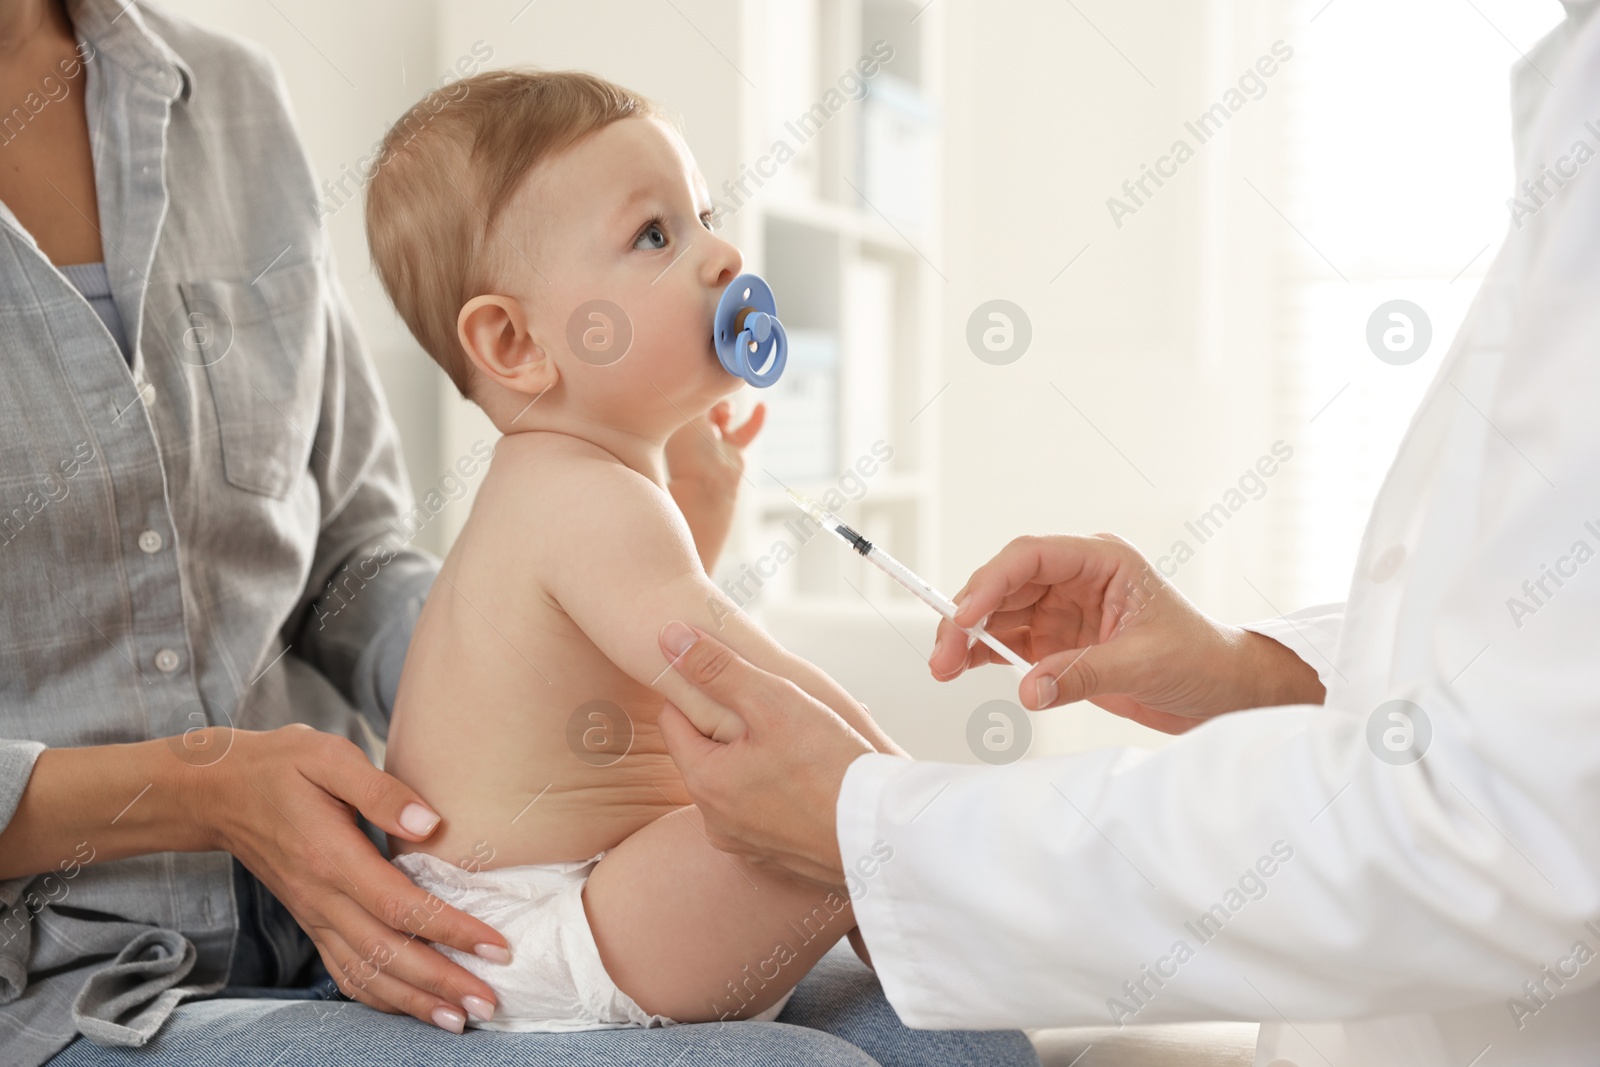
(167, 525)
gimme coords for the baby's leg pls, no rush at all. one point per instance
(694, 934)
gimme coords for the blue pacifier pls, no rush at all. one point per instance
(747, 333)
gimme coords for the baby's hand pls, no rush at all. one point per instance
(705, 460)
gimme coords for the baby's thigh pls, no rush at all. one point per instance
(695, 934)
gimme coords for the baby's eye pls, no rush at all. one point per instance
(654, 235)
(710, 220)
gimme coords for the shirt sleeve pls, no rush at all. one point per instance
(367, 582)
(1311, 633)
(16, 767)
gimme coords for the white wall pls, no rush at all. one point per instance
(1166, 334)
(1155, 333)
(1143, 333)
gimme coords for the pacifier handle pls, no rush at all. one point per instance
(779, 352)
(746, 332)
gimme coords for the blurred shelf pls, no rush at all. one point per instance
(881, 490)
(863, 224)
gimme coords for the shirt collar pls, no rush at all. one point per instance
(117, 29)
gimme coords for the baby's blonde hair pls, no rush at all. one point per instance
(449, 167)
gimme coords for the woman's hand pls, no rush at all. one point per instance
(284, 802)
(1103, 625)
(705, 460)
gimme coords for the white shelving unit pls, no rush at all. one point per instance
(848, 241)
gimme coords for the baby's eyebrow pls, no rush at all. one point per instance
(639, 193)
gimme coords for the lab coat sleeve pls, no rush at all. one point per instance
(1311, 633)
(1268, 864)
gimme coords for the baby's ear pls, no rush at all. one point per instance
(494, 331)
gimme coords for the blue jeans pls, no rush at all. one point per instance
(838, 1017)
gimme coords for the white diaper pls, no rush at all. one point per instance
(555, 981)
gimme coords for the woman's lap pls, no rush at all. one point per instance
(837, 1018)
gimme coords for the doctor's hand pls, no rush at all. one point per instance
(769, 795)
(1101, 624)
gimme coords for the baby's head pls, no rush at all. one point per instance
(546, 234)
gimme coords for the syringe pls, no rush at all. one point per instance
(903, 575)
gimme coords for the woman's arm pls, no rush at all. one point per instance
(120, 800)
(284, 802)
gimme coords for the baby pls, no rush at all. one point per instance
(515, 217)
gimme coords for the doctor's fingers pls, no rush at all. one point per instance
(955, 652)
(770, 800)
(725, 681)
(1077, 674)
(1030, 566)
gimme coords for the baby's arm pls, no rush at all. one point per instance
(686, 930)
(621, 563)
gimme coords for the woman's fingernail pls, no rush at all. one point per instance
(417, 819)
(1047, 690)
(449, 1019)
(961, 605)
(478, 1008)
(491, 952)
(677, 637)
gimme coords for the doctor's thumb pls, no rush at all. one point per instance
(1074, 675)
(685, 743)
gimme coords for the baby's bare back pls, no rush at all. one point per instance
(537, 748)
(533, 746)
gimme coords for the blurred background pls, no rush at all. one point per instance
(1071, 265)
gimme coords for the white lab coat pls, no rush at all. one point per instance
(1411, 901)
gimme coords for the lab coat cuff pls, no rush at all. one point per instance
(1310, 633)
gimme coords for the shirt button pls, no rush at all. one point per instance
(1387, 565)
(147, 393)
(166, 661)
(150, 542)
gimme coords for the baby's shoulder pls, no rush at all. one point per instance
(557, 504)
(538, 475)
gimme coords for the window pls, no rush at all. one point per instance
(1398, 166)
